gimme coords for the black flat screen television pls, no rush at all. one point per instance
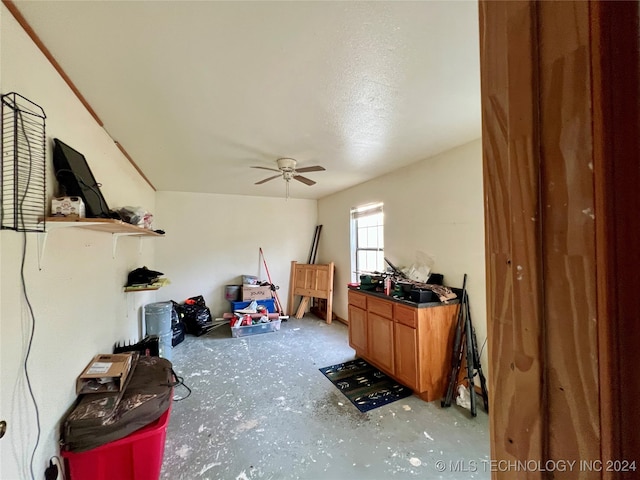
(75, 177)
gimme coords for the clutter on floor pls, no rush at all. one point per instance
(195, 315)
(110, 434)
(255, 306)
(256, 316)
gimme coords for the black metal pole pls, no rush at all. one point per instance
(456, 353)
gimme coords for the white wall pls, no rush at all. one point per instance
(77, 298)
(212, 240)
(434, 206)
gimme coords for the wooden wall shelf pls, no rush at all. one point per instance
(141, 289)
(109, 225)
(117, 228)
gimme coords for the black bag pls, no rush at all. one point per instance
(177, 325)
(197, 316)
(142, 276)
(178, 332)
(100, 418)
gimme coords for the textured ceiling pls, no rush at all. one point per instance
(197, 92)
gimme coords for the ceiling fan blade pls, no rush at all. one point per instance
(267, 168)
(266, 180)
(302, 179)
(315, 168)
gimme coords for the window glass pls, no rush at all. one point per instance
(367, 240)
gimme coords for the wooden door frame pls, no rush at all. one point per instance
(561, 148)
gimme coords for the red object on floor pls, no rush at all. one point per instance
(137, 456)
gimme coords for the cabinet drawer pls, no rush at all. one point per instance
(357, 299)
(406, 315)
(384, 308)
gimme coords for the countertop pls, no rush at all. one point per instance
(409, 303)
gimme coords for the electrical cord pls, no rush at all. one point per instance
(180, 381)
(26, 298)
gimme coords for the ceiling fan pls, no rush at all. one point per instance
(287, 170)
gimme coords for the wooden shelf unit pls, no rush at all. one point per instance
(117, 228)
(109, 225)
(409, 343)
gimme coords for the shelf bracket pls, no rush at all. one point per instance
(115, 237)
(42, 243)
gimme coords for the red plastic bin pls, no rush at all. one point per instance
(137, 456)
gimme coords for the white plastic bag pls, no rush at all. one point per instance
(463, 399)
(421, 269)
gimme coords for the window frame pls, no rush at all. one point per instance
(357, 214)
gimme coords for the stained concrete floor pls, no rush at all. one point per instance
(261, 409)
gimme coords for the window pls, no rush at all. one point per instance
(367, 240)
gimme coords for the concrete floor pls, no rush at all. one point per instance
(261, 409)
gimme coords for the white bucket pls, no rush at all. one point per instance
(232, 292)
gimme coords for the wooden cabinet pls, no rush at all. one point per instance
(406, 348)
(411, 344)
(358, 329)
(380, 333)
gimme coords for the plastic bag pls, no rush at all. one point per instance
(421, 269)
(463, 399)
(136, 216)
(197, 316)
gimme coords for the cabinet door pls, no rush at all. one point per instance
(381, 341)
(406, 355)
(358, 329)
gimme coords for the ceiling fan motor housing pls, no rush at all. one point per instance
(287, 164)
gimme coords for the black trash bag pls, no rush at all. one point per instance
(176, 313)
(197, 316)
(178, 327)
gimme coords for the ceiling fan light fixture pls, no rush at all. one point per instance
(287, 164)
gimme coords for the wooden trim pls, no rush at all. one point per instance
(45, 51)
(538, 147)
(124, 152)
(509, 57)
(607, 363)
(616, 91)
(13, 9)
(342, 320)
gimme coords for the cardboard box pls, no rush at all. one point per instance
(106, 373)
(68, 207)
(255, 292)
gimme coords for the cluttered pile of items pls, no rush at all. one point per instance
(123, 406)
(255, 307)
(408, 284)
(254, 318)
